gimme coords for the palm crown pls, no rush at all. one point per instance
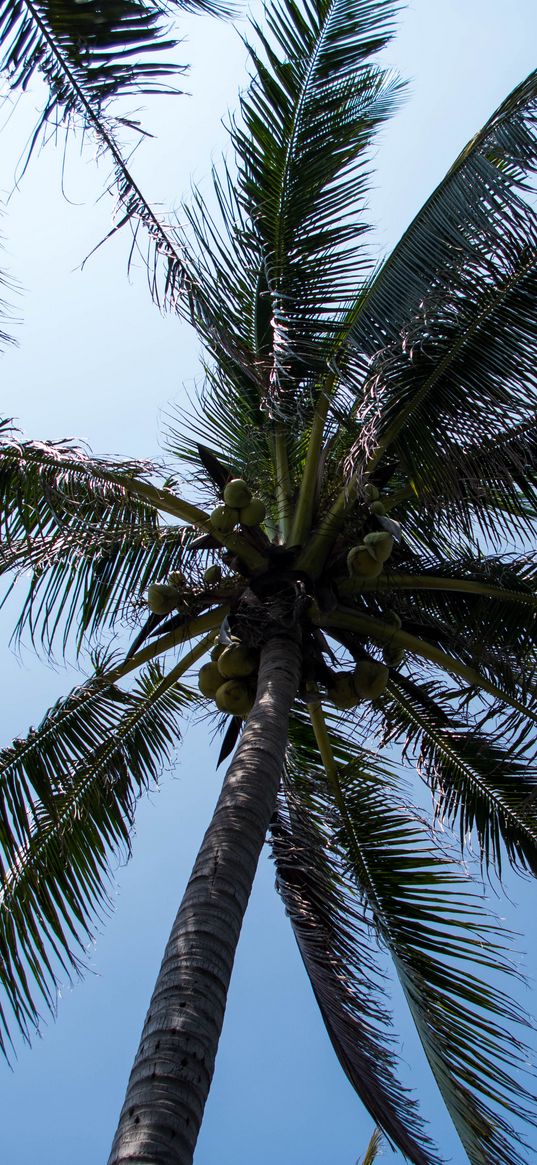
(361, 456)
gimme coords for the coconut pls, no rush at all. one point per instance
(223, 519)
(379, 544)
(162, 598)
(209, 680)
(212, 575)
(253, 513)
(371, 492)
(234, 697)
(370, 679)
(378, 509)
(362, 564)
(176, 578)
(393, 655)
(217, 650)
(237, 660)
(343, 693)
(237, 493)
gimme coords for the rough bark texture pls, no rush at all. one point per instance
(172, 1072)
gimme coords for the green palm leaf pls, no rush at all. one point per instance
(480, 782)
(83, 530)
(472, 211)
(89, 585)
(373, 1147)
(337, 953)
(447, 334)
(68, 795)
(100, 48)
(461, 360)
(435, 932)
(88, 55)
(309, 118)
(287, 249)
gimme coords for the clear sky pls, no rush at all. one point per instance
(97, 361)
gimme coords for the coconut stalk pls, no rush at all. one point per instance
(306, 495)
(173, 1068)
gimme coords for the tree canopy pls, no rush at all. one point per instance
(385, 417)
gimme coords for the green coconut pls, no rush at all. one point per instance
(371, 492)
(370, 679)
(361, 563)
(343, 692)
(223, 519)
(212, 575)
(379, 544)
(162, 598)
(217, 650)
(234, 697)
(378, 509)
(253, 513)
(393, 655)
(237, 660)
(237, 493)
(176, 579)
(209, 680)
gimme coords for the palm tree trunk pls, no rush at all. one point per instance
(173, 1069)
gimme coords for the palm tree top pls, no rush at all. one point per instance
(383, 421)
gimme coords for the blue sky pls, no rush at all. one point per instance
(97, 361)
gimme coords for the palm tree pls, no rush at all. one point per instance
(356, 561)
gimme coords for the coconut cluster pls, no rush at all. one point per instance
(372, 496)
(230, 679)
(366, 682)
(240, 505)
(367, 559)
(163, 598)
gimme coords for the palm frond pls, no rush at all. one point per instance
(465, 364)
(337, 953)
(68, 798)
(272, 273)
(99, 47)
(468, 216)
(87, 58)
(303, 156)
(373, 1147)
(481, 782)
(79, 588)
(503, 683)
(448, 335)
(442, 943)
(80, 527)
(490, 599)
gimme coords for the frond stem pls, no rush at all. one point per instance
(322, 738)
(316, 552)
(382, 632)
(170, 503)
(198, 626)
(304, 508)
(425, 582)
(284, 489)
